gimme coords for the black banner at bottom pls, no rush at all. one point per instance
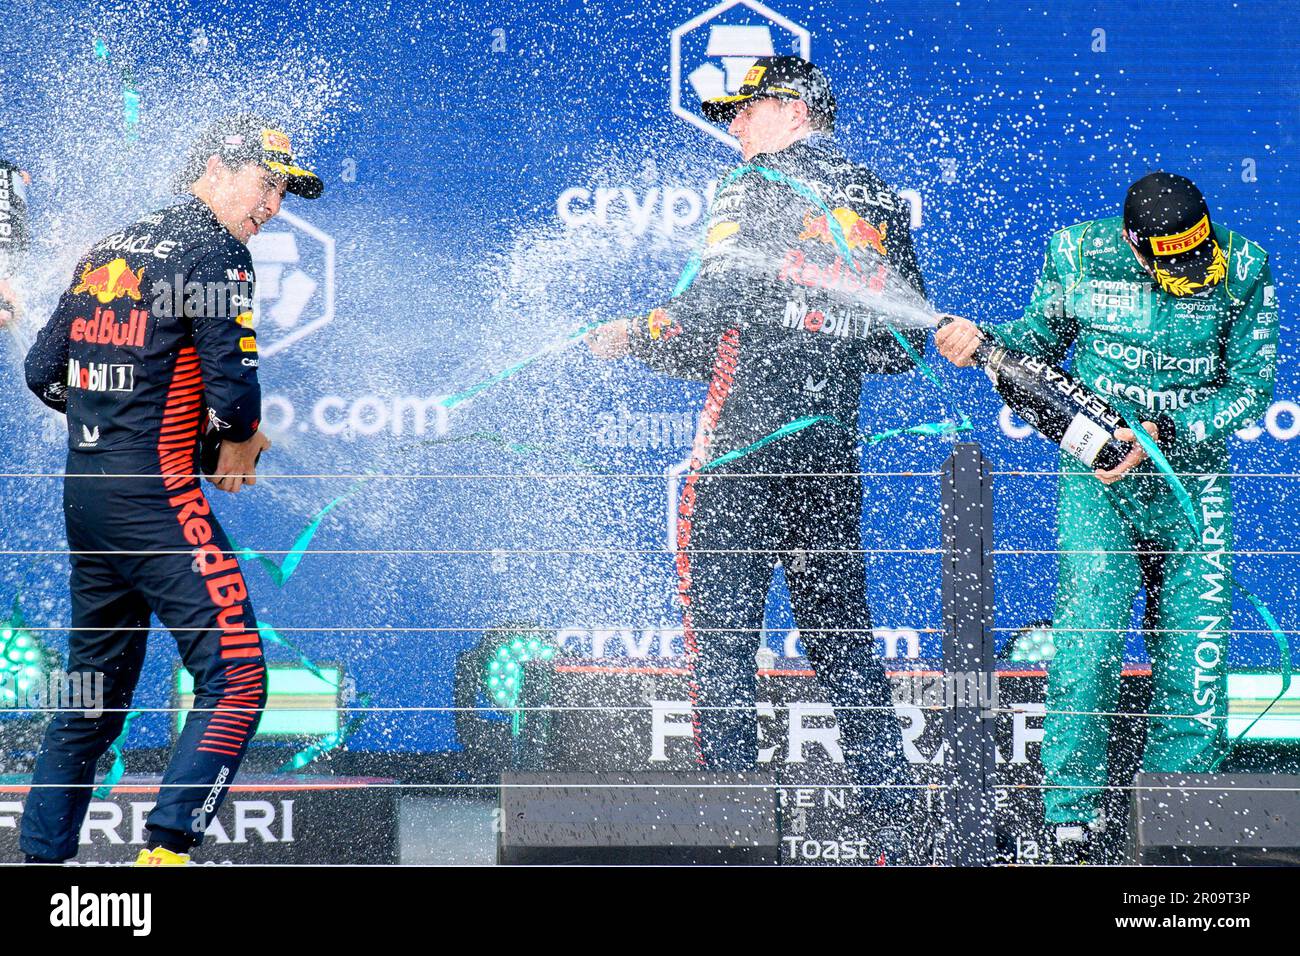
(365, 905)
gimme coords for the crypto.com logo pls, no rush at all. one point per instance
(294, 295)
(738, 33)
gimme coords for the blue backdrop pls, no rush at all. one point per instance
(497, 179)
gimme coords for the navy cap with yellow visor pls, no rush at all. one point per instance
(247, 138)
(1167, 220)
(778, 77)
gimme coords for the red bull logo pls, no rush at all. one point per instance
(104, 329)
(858, 233)
(112, 280)
(661, 325)
(837, 276)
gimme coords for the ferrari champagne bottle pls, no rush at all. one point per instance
(13, 246)
(1057, 405)
(13, 218)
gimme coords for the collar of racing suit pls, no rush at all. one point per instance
(793, 157)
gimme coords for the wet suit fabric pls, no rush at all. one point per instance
(151, 345)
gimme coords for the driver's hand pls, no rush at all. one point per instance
(1133, 458)
(609, 341)
(958, 340)
(237, 462)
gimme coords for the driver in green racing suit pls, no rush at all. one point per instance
(1193, 354)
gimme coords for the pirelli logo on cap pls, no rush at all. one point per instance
(248, 344)
(273, 141)
(754, 76)
(1189, 239)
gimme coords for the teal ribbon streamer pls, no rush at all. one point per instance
(1188, 507)
(451, 401)
(689, 272)
(130, 95)
(270, 634)
(799, 424)
(115, 772)
(331, 741)
(281, 572)
(936, 429)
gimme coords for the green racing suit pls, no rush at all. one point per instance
(1200, 366)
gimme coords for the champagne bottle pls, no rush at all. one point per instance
(13, 225)
(1056, 404)
(13, 246)
(13, 217)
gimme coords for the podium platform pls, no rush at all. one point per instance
(1225, 819)
(271, 819)
(644, 819)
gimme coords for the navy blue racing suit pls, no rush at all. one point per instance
(150, 348)
(783, 328)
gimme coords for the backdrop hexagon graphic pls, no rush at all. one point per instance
(736, 45)
(294, 295)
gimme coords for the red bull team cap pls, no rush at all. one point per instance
(248, 138)
(781, 77)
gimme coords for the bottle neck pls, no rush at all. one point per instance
(988, 355)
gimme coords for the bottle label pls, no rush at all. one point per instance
(1085, 439)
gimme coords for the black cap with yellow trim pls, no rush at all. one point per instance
(782, 77)
(247, 138)
(1167, 219)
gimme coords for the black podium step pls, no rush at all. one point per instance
(645, 818)
(1217, 819)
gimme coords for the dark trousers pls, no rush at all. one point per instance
(199, 595)
(731, 533)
